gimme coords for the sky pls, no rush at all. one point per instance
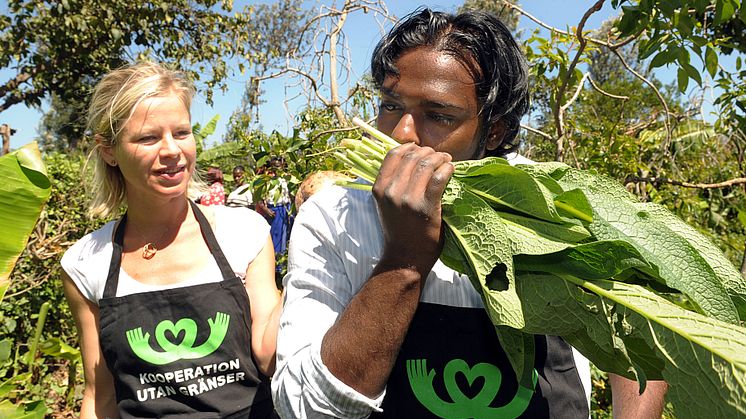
(362, 37)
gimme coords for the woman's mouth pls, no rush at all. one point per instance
(171, 171)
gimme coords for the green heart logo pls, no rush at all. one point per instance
(490, 373)
(186, 326)
(167, 334)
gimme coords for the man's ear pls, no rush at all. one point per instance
(495, 136)
(106, 150)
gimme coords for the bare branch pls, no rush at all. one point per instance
(564, 107)
(560, 109)
(286, 70)
(605, 93)
(666, 121)
(333, 85)
(596, 41)
(537, 132)
(724, 184)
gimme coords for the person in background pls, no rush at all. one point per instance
(276, 208)
(241, 196)
(175, 303)
(374, 324)
(215, 194)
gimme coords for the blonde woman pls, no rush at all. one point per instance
(175, 303)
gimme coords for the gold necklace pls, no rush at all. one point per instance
(150, 248)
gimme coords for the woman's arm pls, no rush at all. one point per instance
(265, 307)
(99, 398)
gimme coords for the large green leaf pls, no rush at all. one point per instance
(506, 186)
(24, 189)
(703, 359)
(479, 248)
(657, 235)
(33, 410)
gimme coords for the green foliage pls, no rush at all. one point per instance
(201, 133)
(25, 189)
(677, 32)
(506, 15)
(63, 48)
(35, 282)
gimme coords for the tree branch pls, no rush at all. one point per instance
(16, 81)
(333, 84)
(560, 109)
(605, 93)
(658, 180)
(286, 70)
(537, 132)
(666, 121)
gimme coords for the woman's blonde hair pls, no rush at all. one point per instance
(113, 102)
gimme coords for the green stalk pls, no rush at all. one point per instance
(385, 139)
(363, 165)
(37, 334)
(376, 147)
(370, 152)
(572, 211)
(354, 166)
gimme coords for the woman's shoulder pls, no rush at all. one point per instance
(86, 262)
(92, 244)
(237, 216)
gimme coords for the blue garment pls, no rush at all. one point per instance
(279, 229)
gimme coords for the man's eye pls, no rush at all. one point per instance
(442, 119)
(148, 139)
(388, 107)
(184, 134)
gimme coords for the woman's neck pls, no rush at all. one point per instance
(149, 215)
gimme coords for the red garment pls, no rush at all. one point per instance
(214, 196)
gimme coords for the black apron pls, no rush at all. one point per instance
(451, 365)
(182, 352)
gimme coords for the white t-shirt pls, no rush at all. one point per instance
(240, 232)
(241, 197)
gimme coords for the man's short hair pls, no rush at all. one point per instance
(484, 46)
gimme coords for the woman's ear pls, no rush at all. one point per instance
(495, 136)
(106, 150)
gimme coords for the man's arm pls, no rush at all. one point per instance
(328, 268)
(361, 347)
(628, 403)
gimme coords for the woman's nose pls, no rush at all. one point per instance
(169, 146)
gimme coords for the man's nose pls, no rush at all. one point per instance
(405, 130)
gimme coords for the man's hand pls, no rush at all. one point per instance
(408, 191)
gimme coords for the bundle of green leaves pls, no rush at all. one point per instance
(559, 251)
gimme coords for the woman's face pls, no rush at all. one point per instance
(432, 102)
(156, 152)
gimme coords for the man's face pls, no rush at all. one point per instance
(238, 176)
(433, 103)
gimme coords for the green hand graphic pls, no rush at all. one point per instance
(421, 381)
(185, 349)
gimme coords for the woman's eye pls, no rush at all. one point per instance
(148, 139)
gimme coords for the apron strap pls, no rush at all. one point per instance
(112, 278)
